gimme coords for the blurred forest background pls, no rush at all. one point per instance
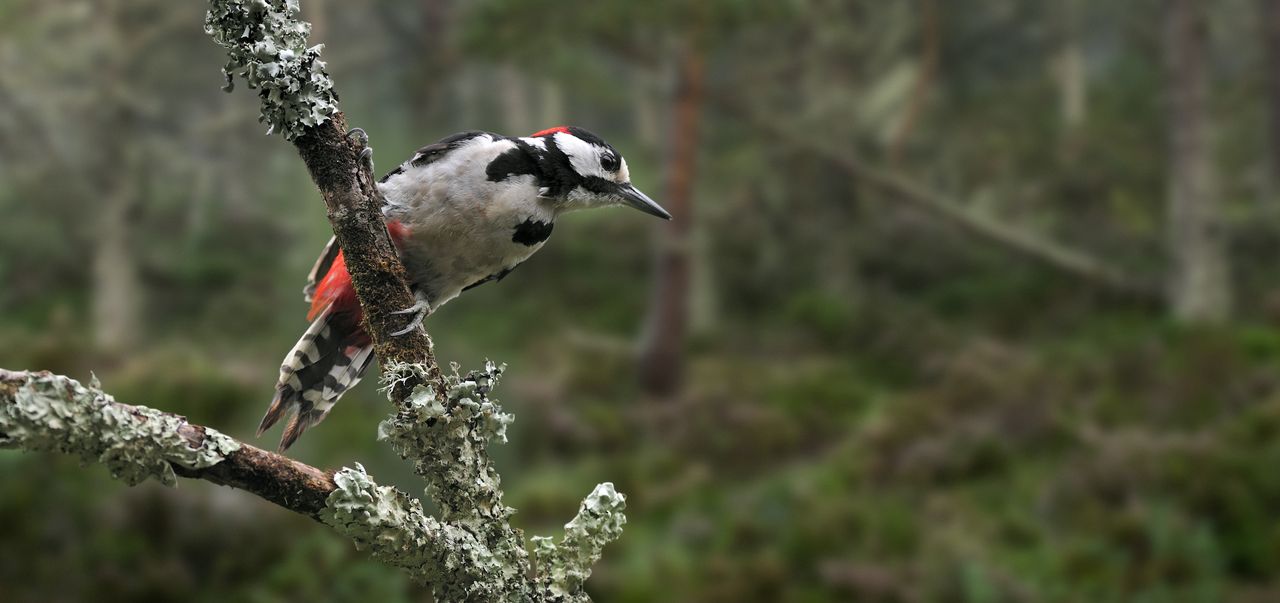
(965, 301)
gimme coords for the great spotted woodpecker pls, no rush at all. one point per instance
(462, 212)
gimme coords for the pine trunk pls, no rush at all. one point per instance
(116, 285)
(662, 356)
(1199, 285)
(1271, 33)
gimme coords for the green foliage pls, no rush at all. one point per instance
(1010, 479)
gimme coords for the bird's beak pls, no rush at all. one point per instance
(633, 197)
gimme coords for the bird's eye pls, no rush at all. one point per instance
(609, 163)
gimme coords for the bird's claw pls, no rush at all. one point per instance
(417, 307)
(413, 324)
(419, 311)
(361, 138)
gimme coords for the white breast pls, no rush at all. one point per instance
(461, 224)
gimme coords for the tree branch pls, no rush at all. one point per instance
(1047, 252)
(472, 554)
(43, 411)
(266, 45)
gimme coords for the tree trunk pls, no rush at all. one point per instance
(1199, 284)
(466, 91)
(436, 64)
(517, 111)
(115, 284)
(646, 113)
(662, 356)
(929, 42)
(1072, 87)
(552, 104)
(704, 305)
(317, 12)
(116, 287)
(1271, 33)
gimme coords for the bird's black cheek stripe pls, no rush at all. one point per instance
(531, 232)
(598, 185)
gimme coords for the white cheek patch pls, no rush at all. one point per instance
(535, 142)
(583, 156)
(623, 175)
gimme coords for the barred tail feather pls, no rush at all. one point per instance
(327, 361)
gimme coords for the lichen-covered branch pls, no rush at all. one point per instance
(394, 529)
(567, 565)
(470, 554)
(447, 439)
(267, 46)
(44, 411)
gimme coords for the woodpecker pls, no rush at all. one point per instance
(462, 212)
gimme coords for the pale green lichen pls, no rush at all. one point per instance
(52, 412)
(472, 554)
(453, 558)
(447, 439)
(381, 519)
(563, 568)
(267, 45)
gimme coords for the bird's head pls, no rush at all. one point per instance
(590, 173)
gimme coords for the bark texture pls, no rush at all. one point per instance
(275, 478)
(355, 212)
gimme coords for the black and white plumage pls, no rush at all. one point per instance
(463, 212)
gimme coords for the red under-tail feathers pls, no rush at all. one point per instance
(336, 292)
(336, 288)
(332, 354)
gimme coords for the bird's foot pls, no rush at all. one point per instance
(419, 311)
(361, 138)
